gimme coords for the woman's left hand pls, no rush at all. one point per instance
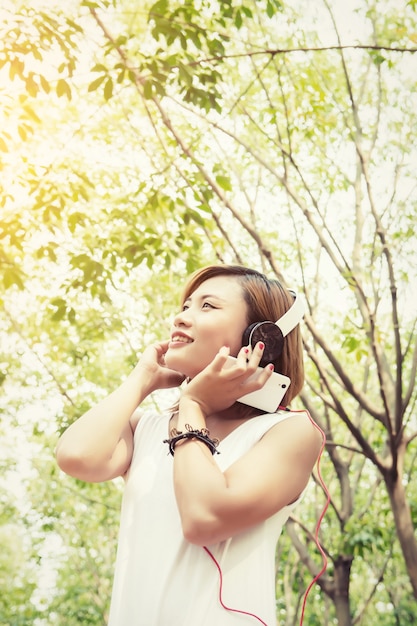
(224, 380)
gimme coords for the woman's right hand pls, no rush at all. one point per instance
(99, 445)
(152, 365)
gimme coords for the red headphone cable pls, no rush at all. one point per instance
(228, 608)
(322, 514)
(316, 539)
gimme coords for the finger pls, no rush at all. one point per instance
(256, 355)
(163, 345)
(266, 374)
(259, 379)
(235, 367)
(220, 358)
(243, 355)
(161, 348)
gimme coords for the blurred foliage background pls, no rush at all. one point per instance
(139, 141)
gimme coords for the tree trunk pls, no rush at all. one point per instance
(342, 567)
(404, 526)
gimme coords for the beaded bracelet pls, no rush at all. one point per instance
(202, 435)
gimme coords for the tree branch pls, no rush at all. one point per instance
(273, 52)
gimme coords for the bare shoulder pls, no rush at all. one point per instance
(303, 425)
(275, 471)
(297, 435)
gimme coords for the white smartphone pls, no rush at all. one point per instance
(269, 397)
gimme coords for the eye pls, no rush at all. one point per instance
(208, 304)
(185, 307)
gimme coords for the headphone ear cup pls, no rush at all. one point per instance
(270, 335)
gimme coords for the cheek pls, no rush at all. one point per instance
(230, 336)
(191, 359)
(234, 341)
(235, 347)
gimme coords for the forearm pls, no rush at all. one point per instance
(96, 434)
(200, 486)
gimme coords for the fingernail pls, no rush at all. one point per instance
(246, 350)
(261, 345)
(271, 367)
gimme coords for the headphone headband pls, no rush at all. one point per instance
(292, 317)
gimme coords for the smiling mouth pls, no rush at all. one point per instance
(181, 339)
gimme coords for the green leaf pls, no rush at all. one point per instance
(63, 89)
(44, 84)
(99, 67)
(90, 4)
(121, 75)
(190, 214)
(108, 89)
(147, 89)
(158, 9)
(60, 307)
(377, 58)
(12, 276)
(31, 113)
(224, 182)
(269, 9)
(75, 219)
(185, 75)
(31, 87)
(21, 129)
(3, 145)
(96, 83)
(16, 69)
(273, 6)
(74, 25)
(247, 11)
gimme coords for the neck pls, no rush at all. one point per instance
(222, 423)
(237, 412)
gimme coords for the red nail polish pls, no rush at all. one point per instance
(261, 345)
(271, 367)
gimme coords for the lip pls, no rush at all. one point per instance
(180, 343)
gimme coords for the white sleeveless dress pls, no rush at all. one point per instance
(160, 578)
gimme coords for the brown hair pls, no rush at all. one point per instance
(267, 300)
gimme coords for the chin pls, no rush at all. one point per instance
(173, 362)
(180, 364)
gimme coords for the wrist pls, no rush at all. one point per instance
(142, 383)
(195, 434)
(191, 412)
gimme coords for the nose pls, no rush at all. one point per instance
(183, 318)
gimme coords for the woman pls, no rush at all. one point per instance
(199, 529)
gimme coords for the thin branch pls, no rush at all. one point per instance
(412, 379)
(187, 151)
(338, 407)
(282, 51)
(348, 384)
(62, 390)
(381, 233)
(379, 579)
(326, 584)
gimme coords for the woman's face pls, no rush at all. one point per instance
(215, 315)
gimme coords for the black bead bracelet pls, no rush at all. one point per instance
(191, 433)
